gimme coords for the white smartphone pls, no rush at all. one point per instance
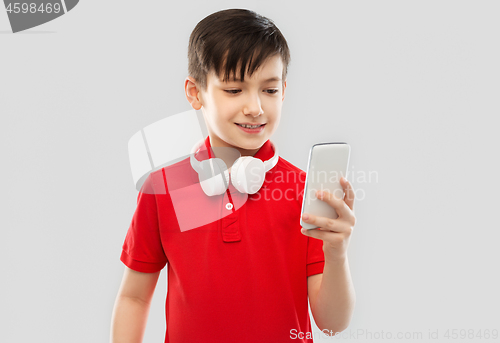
(327, 163)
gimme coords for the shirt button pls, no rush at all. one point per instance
(229, 206)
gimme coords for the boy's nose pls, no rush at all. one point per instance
(253, 108)
(254, 113)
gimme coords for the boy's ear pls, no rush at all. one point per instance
(193, 95)
(283, 95)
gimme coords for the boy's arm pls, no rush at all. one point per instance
(313, 283)
(332, 297)
(332, 294)
(131, 310)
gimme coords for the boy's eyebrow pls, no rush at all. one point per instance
(274, 78)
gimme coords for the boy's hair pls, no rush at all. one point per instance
(226, 39)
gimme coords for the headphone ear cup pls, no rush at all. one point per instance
(212, 176)
(248, 174)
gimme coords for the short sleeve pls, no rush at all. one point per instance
(315, 256)
(142, 250)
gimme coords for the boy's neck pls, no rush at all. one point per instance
(217, 143)
(228, 153)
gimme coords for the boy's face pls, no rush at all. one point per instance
(257, 100)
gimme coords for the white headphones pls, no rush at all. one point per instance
(209, 170)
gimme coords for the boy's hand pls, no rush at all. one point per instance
(335, 233)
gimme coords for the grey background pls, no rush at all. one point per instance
(413, 86)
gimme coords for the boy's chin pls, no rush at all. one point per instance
(251, 144)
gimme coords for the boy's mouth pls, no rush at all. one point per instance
(250, 126)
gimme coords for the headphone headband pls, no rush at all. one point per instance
(269, 164)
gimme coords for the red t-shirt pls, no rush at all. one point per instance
(237, 263)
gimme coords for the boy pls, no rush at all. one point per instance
(245, 276)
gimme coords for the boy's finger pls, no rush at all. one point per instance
(349, 193)
(324, 223)
(337, 203)
(315, 233)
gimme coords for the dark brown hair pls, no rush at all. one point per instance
(231, 38)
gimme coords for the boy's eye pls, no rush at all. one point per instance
(235, 91)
